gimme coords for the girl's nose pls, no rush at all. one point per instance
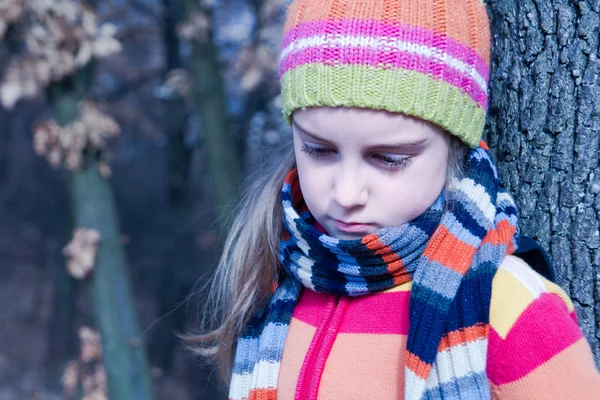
(348, 191)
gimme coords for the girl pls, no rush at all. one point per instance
(375, 261)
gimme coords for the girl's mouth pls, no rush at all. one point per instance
(353, 227)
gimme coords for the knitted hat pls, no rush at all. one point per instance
(426, 58)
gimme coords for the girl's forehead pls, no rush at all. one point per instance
(369, 123)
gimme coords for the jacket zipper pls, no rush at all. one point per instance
(314, 362)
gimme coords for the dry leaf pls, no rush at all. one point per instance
(73, 161)
(85, 53)
(95, 387)
(59, 37)
(81, 252)
(95, 395)
(45, 136)
(104, 170)
(70, 378)
(10, 11)
(10, 93)
(253, 65)
(251, 79)
(105, 43)
(266, 59)
(197, 27)
(269, 9)
(88, 371)
(100, 376)
(178, 80)
(91, 347)
(92, 129)
(55, 157)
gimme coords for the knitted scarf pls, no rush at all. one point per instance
(451, 253)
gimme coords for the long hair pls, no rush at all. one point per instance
(248, 265)
(246, 270)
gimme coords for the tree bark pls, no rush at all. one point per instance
(224, 165)
(124, 353)
(181, 253)
(62, 343)
(93, 207)
(543, 125)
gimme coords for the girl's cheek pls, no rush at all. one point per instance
(313, 177)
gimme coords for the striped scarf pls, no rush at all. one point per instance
(451, 252)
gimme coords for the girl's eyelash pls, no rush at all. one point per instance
(386, 161)
(392, 162)
(316, 152)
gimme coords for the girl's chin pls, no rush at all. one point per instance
(350, 237)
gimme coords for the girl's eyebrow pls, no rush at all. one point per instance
(307, 133)
(403, 145)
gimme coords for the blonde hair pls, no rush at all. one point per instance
(248, 265)
(246, 270)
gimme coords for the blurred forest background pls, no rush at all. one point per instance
(128, 126)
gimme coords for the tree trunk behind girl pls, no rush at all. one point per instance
(543, 128)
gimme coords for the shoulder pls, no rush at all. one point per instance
(536, 349)
(516, 287)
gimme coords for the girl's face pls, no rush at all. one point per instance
(361, 170)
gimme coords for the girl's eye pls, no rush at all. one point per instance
(317, 152)
(387, 161)
(391, 161)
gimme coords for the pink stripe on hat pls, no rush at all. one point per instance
(386, 34)
(350, 55)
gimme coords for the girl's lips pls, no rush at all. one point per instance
(352, 227)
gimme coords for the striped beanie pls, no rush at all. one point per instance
(425, 58)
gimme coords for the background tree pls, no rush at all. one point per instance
(544, 126)
(58, 43)
(223, 159)
(185, 263)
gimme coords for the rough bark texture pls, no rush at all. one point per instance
(543, 125)
(92, 203)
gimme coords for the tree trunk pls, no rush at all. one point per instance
(124, 353)
(93, 207)
(224, 165)
(181, 253)
(62, 343)
(543, 124)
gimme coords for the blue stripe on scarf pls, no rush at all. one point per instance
(461, 212)
(472, 386)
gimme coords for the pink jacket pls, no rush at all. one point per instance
(353, 348)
